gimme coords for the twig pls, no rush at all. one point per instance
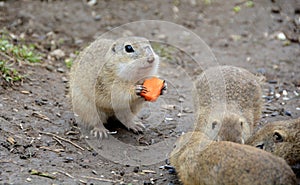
(66, 174)
(61, 138)
(53, 150)
(57, 140)
(100, 179)
(42, 174)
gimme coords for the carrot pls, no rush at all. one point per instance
(153, 87)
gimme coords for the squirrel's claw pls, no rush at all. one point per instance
(164, 89)
(139, 89)
(100, 133)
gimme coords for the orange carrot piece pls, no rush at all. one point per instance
(153, 88)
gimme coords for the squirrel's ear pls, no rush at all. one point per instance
(113, 48)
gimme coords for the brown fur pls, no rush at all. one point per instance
(199, 160)
(103, 82)
(228, 103)
(281, 138)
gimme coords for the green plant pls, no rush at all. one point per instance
(12, 52)
(8, 73)
(69, 62)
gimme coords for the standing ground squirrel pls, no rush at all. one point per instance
(199, 160)
(106, 79)
(281, 138)
(239, 91)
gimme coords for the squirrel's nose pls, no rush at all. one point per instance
(150, 59)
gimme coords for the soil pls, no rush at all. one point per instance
(40, 140)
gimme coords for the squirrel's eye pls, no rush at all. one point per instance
(277, 137)
(129, 49)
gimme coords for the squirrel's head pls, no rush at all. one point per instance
(232, 127)
(134, 58)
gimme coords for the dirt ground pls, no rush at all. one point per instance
(40, 141)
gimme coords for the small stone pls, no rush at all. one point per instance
(92, 2)
(175, 9)
(61, 70)
(58, 53)
(288, 113)
(275, 9)
(25, 92)
(50, 68)
(274, 114)
(97, 17)
(181, 99)
(281, 36)
(167, 161)
(272, 81)
(187, 110)
(64, 79)
(284, 93)
(261, 71)
(169, 119)
(168, 107)
(136, 169)
(147, 183)
(28, 179)
(68, 159)
(285, 98)
(172, 171)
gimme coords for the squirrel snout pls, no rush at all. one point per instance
(150, 59)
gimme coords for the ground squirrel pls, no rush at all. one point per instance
(281, 138)
(199, 160)
(106, 79)
(240, 92)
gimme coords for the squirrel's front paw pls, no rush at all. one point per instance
(100, 132)
(139, 89)
(164, 89)
(136, 127)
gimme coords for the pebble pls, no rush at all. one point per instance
(147, 183)
(288, 113)
(50, 68)
(281, 36)
(58, 53)
(275, 9)
(187, 110)
(167, 161)
(92, 2)
(68, 159)
(172, 171)
(64, 79)
(136, 169)
(274, 114)
(261, 71)
(169, 119)
(272, 81)
(97, 17)
(60, 69)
